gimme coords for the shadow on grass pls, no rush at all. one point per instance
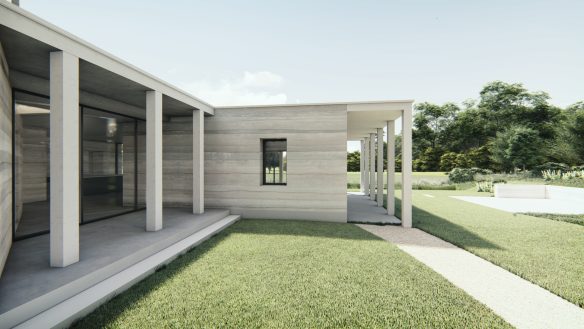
(446, 230)
(106, 314)
(287, 227)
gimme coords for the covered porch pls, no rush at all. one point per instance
(108, 250)
(90, 135)
(367, 123)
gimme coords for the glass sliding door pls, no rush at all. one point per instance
(108, 164)
(31, 164)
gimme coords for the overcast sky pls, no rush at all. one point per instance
(238, 52)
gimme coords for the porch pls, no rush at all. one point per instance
(30, 286)
(361, 209)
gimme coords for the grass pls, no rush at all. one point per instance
(270, 273)
(546, 252)
(574, 219)
(418, 177)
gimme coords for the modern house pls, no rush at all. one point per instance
(107, 172)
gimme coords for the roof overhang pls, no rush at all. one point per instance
(366, 117)
(28, 41)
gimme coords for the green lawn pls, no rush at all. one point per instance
(574, 219)
(270, 273)
(547, 252)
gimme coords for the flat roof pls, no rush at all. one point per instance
(114, 83)
(44, 37)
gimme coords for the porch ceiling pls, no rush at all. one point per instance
(104, 80)
(365, 118)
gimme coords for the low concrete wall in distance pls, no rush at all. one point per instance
(539, 192)
(520, 191)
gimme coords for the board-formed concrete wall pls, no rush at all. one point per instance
(177, 163)
(316, 151)
(5, 161)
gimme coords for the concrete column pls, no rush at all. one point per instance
(391, 168)
(64, 157)
(406, 204)
(361, 167)
(372, 166)
(154, 160)
(366, 166)
(198, 162)
(380, 167)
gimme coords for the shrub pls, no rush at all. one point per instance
(552, 175)
(449, 187)
(485, 186)
(578, 168)
(488, 185)
(461, 175)
(552, 166)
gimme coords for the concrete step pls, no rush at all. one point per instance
(62, 306)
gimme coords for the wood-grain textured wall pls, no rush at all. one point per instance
(316, 151)
(5, 161)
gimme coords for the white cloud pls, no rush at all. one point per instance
(254, 88)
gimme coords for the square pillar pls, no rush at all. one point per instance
(372, 166)
(380, 167)
(64, 157)
(366, 166)
(153, 160)
(391, 168)
(406, 204)
(361, 169)
(198, 162)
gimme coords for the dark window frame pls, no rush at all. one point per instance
(263, 145)
(82, 221)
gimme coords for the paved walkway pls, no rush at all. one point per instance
(361, 209)
(519, 302)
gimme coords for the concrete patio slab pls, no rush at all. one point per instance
(29, 285)
(517, 205)
(66, 313)
(360, 209)
(518, 301)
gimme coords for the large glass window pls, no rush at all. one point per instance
(274, 161)
(31, 161)
(112, 164)
(109, 165)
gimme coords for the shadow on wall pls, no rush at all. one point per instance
(443, 229)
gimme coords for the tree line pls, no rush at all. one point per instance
(508, 128)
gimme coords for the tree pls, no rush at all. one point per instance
(353, 161)
(517, 147)
(575, 128)
(503, 105)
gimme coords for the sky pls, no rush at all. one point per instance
(266, 52)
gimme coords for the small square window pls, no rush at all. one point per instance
(274, 161)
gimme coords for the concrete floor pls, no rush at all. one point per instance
(516, 205)
(105, 247)
(518, 301)
(360, 209)
(35, 215)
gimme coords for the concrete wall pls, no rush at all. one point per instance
(34, 161)
(316, 143)
(5, 161)
(177, 153)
